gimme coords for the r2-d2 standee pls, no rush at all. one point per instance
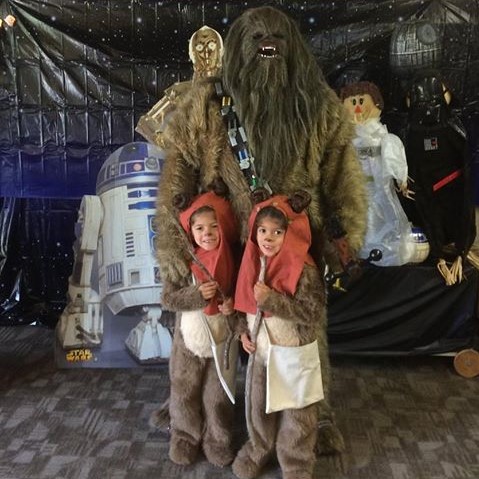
(115, 238)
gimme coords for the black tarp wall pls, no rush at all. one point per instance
(75, 77)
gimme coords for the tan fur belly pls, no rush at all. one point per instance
(195, 334)
(281, 332)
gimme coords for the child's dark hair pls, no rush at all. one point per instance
(274, 214)
(199, 211)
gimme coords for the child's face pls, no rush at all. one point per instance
(205, 230)
(270, 236)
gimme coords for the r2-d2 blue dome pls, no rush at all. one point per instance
(136, 163)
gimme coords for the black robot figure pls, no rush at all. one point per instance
(439, 165)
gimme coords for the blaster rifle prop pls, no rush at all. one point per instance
(352, 268)
(332, 278)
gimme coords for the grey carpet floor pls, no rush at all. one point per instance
(403, 418)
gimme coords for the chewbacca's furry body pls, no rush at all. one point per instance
(313, 152)
(199, 152)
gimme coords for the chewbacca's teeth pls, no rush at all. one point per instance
(268, 51)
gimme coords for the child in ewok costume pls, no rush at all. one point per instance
(271, 75)
(383, 159)
(200, 411)
(293, 303)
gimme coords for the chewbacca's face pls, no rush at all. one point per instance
(274, 81)
(264, 48)
(265, 42)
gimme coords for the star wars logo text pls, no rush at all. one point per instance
(76, 355)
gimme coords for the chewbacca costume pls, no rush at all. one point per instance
(300, 136)
(200, 411)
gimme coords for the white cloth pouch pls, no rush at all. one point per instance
(293, 377)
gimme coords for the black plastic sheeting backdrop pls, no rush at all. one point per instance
(75, 77)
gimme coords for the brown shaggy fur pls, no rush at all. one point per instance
(200, 412)
(276, 98)
(316, 155)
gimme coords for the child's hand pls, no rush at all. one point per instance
(261, 292)
(208, 289)
(248, 345)
(226, 307)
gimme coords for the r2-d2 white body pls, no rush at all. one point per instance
(115, 238)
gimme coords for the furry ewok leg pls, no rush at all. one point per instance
(329, 441)
(292, 433)
(200, 412)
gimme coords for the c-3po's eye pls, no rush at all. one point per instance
(199, 47)
(212, 45)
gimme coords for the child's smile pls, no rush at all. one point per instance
(205, 231)
(270, 237)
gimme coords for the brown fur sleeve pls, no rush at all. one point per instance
(343, 185)
(171, 250)
(186, 298)
(179, 177)
(240, 325)
(308, 304)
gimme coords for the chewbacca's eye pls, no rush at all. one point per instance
(257, 36)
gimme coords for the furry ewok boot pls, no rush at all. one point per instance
(330, 440)
(160, 418)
